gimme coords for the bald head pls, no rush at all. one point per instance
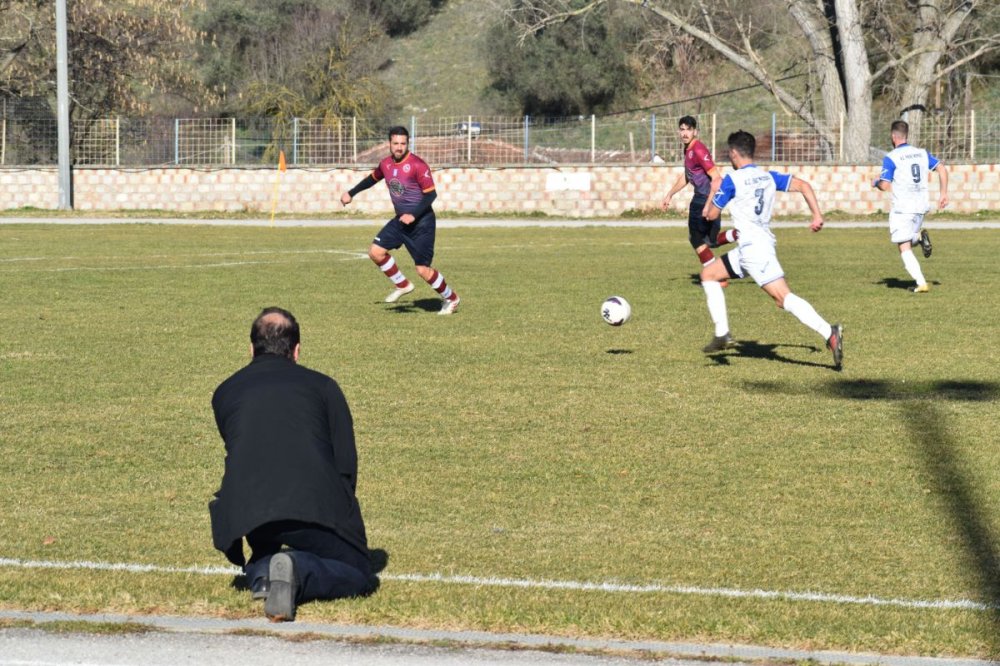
(275, 331)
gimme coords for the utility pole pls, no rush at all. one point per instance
(62, 108)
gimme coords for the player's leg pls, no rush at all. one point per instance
(802, 310)
(902, 231)
(419, 242)
(700, 232)
(711, 277)
(390, 238)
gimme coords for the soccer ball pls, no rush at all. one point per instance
(616, 310)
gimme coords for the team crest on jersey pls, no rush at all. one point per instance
(406, 168)
(396, 188)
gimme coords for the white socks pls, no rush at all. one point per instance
(912, 266)
(805, 313)
(717, 307)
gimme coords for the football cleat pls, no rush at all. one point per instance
(921, 288)
(719, 343)
(835, 343)
(450, 305)
(398, 292)
(925, 242)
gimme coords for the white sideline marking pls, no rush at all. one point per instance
(348, 255)
(940, 604)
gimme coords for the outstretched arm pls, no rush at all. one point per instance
(348, 196)
(802, 186)
(678, 186)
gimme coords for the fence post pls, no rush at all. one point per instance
(354, 138)
(714, 130)
(468, 142)
(3, 141)
(413, 134)
(232, 138)
(774, 136)
(593, 138)
(652, 138)
(118, 140)
(527, 123)
(295, 140)
(972, 134)
(177, 141)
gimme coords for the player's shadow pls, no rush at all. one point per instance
(918, 409)
(420, 305)
(767, 352)
(896, 283)
(619, 352)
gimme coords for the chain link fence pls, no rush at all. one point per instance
(28, 137)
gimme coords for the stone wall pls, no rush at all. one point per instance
(571, 191)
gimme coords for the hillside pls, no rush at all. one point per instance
(439, 69)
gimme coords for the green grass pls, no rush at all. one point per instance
(522, 438)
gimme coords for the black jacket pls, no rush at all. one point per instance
(290, 454)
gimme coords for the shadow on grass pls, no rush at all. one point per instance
(767, 352)
(906, 285)
(619, 352)
(918, 410)
(929, 431)
(421, 305)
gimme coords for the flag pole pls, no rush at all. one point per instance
(282, 168)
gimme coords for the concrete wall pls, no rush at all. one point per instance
(573, 191)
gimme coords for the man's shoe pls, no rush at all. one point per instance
(925, 242)
(835, 343)
(921, 288)
(397, 293)
(280, 603)
(259, 589)
(450, 305)
(719, 343)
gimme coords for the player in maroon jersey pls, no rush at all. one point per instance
(411, 188)
(704, 176)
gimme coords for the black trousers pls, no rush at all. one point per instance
(326, 566)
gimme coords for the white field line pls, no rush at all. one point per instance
(819, 597)
(348, 255)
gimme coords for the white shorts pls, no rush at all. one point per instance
(758, 260)
(904, 227)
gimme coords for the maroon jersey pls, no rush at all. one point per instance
(408, 180)
(697, 163)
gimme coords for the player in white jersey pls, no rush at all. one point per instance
(906, 172)
(749, 191)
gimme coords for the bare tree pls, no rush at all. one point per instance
(846, 57)
(123, 52)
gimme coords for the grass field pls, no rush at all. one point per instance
(523, 439)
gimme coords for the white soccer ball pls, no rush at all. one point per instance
(616, 310)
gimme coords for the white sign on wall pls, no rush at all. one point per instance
(562, 182)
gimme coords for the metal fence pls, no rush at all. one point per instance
(28, 137)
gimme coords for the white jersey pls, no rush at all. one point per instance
(908, 169)
(750, 191)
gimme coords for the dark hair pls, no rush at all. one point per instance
(274, 331)
(901, 127)
(398, 130)
(689, 121)
(742, 142)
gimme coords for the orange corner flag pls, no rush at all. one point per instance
(281, 161)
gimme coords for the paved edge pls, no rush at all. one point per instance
(469, 222)
(483, 639)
